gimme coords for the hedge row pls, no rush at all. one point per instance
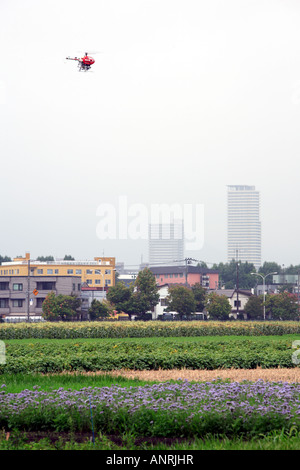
(62, 330)
(93, 363)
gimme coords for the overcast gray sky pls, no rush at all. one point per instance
(185, 97)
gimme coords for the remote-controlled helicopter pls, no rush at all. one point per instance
(84, 63)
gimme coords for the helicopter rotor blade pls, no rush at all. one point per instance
(90, 52)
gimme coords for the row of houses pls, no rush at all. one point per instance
(15, 305)
(24, 284)
(23, 296)
(236, 298)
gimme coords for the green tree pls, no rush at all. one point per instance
(45, 258)
(269, 267)
(69, 258)
(4, 259)
(49, 308)
(254, 307)
(181, 299)
(283, 306)
(99, 310)
(120, 296)
(146, 290)
(200, 294)
(60, 307)
(136, 299)
(228, 274)
(202, 264)
(218, 307)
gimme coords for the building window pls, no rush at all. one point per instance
(40, 271)
(70, 271)
(89, 271)
(56, 271)
(97, 281)
(17, 303)
(237, 303)
(107, 282)
(45, 285)
(78, 271)
(107, 271)
(181, 275)
(49, 271)
(39, 302)
(3, 303)
(17, 286)
(89, 281)
(4, 286)
(79, 286)
(97, 271)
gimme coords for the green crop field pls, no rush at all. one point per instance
(63, 330)
(39, 399)
(52, 356)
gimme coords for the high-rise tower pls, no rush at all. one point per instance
(243, 225)
(166, 242)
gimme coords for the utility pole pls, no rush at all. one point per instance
(187, 261)
(237, 289)
(264, 288)
(28, 292)
(298, 295)
(237, 284)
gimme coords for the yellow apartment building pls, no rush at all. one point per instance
(98, 273)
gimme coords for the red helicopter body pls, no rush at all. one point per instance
(84, 63)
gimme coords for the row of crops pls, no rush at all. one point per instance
(62, 330)
(52, 356)
(167, 409)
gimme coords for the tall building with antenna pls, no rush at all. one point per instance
(166, 242)
(243, 224)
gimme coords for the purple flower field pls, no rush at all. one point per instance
(161, 408)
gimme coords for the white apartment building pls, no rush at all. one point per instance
(243, 224)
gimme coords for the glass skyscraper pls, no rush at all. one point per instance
(243, 225)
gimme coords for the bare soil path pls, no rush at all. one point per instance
(237, 375)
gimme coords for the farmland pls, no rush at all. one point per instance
(193, 381)
(206, 353)
(64, 330)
